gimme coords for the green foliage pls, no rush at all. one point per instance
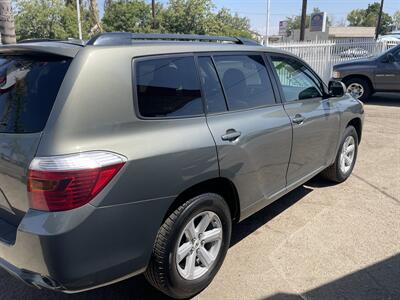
(57, 18)
(132, 16)
(187, 16)
(178, 16)
(48, 19)
(225, 23)
(369, 18)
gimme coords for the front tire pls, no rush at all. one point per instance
(359, 88)
(345, 158)
(190, 246)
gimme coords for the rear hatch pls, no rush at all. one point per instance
(29, 84)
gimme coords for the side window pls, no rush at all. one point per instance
(212, 87)
(297, 81)
(245, 81)
(168, 87)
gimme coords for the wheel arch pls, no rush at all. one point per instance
(220, 185)
(357, 124)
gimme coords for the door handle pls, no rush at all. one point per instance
(298, 119)
(231, 135)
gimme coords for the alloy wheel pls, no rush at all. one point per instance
(199, 245)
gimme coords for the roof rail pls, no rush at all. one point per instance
(126, 38)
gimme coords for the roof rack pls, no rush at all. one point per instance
(126, 38)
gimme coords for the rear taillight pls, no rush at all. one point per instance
(65, 182)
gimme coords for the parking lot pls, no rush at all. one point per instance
(321, 241)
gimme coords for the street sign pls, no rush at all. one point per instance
(318, 22)
(283, 26)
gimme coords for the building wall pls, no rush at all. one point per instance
(334, 33)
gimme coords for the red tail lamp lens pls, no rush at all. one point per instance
(64, 183)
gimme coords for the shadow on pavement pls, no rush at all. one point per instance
(384, 99)
(384, 276)
(260, 218)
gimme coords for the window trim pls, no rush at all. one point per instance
(139, 59)
(322, 86)
(203, 93)
(271, 78)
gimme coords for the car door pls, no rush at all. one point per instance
(387, 73)
(315, 119)
(251, 130)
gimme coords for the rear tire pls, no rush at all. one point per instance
(180, 278)
(342, 168)
(359, 83)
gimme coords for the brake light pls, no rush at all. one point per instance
(65, 182)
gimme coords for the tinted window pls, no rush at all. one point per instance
(297, 80)
(168, 87)
(212, 88)
(245, 80)
(28, 89)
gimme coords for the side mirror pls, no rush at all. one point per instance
(336, 88)
(389, 58)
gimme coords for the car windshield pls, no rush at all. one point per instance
(388, 50)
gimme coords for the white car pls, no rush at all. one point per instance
(354, 53)
(394, 36)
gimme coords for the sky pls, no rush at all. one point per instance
(256, 10)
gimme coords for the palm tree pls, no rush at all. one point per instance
(94, 13)
(7, 24)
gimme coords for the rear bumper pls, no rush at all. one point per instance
(84, 248)
(30, 278)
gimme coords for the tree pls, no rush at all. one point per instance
(369, 17)
(396, 19)
(128, 15)
(224, 23)
(7, 24)
(188, 16)
(178, 16)
(94, 15)
(49, 19)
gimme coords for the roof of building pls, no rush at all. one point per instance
(352, 32)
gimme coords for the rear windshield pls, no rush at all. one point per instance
(28, 89)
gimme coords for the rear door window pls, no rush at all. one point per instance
(245, 80)
(28, 88)
(168, 87)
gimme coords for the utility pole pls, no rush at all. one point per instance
(303, 20)
(78, 12)
(378, 24)
(153, 12)
(267, 24)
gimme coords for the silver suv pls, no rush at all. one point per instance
(135, 153)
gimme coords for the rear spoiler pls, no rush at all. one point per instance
(55, 48)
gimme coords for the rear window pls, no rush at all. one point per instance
(168, 87)
(28, 89)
